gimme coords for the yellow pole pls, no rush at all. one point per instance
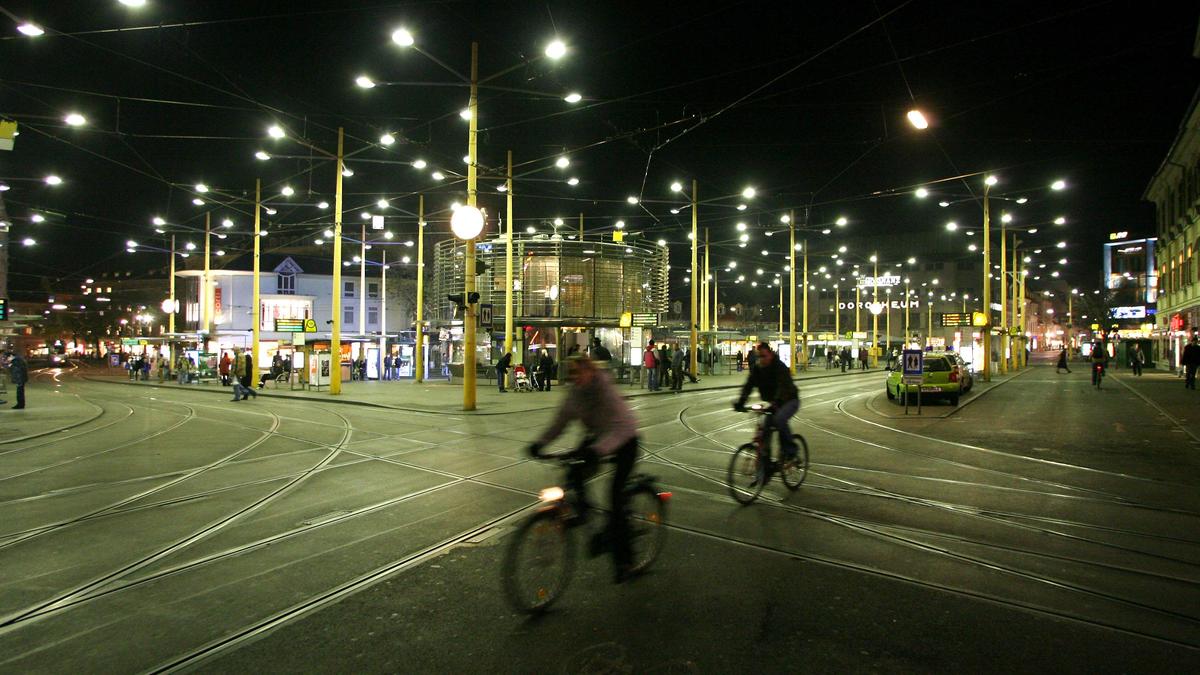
(875, 315)
(929, 324)
(837, 312)
(171, 318)
(335, 336)
(792, 295)
(208, 290)
(1004, 341)
(780, 311)
(987, 287)
(709, 299)
(716, 315)
(804, 311)
(887, 331)
(1024, 275)
(469, 257)
(508, 261)
(857, 306)
(362, 287)
(419, 346)
(257, 299)
(907, 304)
(693, 316)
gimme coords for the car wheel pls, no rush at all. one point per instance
(954, 399)
(890, 395)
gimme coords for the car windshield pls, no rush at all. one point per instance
(936, 365)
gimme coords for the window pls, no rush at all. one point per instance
(373, 290)
(347, 316)
(285, 284)
(348, 289)
(372, 316)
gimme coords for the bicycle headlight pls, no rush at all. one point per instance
(551, 494)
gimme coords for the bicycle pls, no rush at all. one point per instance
(1097, 374)
(751, 466)
(541, 557)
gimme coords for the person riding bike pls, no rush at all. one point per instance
(611, 432)
(774, 383)
(1099, 362)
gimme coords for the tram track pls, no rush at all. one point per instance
(82, 590)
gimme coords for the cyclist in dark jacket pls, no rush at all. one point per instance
(774, 383)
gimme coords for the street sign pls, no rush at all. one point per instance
(485, 315)
(956, 319)
(913, 362)
(626, 320)
(644, 320)
(978, 319)
(310, 325)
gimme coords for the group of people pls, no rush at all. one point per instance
(665, 365)
(843, 359)
(392, 366)
(540, 370)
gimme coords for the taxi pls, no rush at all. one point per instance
(945, 375)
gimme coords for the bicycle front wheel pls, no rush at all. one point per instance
(746, 474)
(647, 526)
(794, 471)
(538, 563)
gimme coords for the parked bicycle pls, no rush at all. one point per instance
(541, 557)
(752, 465)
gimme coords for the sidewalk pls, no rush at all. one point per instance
(1165, 391)
(439, 396)
(47, 411)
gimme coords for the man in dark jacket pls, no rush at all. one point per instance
(1190, 360)
(502, 370)
(774, 383)
(600, 353)
(18, 371)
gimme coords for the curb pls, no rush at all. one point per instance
(384, 406)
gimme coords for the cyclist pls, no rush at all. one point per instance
(1099, 362)
(774, 383)
(611, 431)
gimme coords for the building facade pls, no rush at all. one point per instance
(1175, 192)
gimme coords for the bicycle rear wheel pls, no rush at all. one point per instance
(746, 475)
(538, 563)
(647, 526)
(793, 472)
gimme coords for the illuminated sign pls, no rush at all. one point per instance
(895, 304)
(289, 325)
(1129, 249)
(1113, 236)
(881, 281)
(626, 320)
(639, 319)
(273, 309)
(3, 309)
(956, 319)
(1135, 312)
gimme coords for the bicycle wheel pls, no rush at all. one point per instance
(538, 563)
(647, 526)
(745, 483)
(795, 471)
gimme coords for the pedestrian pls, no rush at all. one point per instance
(751, 358)
(687, 368)
(1137, 358)
(545, 370)
(844, 358)
(664, 365)
(650, 365)
(502, 370)
(223, 368)
(181, 369)
(739, 359)
(18, 372)
(1062, 362)
(862, 357)
(677, 370)
(1190, 360)
(387, 367)
(600, 354)
(243, 374)
(828, 358)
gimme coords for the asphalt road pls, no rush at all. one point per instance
(1042, 525)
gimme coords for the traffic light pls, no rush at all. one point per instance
(459, 305)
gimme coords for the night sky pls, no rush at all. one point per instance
(805, 102)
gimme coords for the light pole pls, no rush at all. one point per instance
(792, 295)
(256, 295)
(469, 237)
(335, 335)
(875, 313)
(987, 281)
(508, 259)
(171, 315)
(693, 317)
(418, 347)
(1004, 341)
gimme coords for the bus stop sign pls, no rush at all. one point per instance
(913, 361)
